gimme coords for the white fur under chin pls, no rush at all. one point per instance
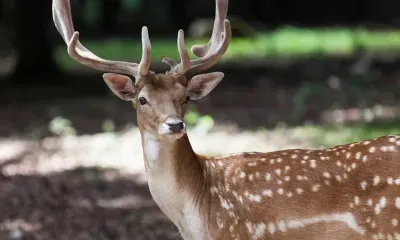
(151, 149)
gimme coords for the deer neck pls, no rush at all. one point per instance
(176, 177)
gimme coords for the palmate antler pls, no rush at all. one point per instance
(208, 54)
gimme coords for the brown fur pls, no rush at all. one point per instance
(340, 190)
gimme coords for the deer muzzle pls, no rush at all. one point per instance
(172, 125)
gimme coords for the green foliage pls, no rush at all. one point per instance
(131, 4)
(108, 126)
(92, 11)
(197, 121)
(331, 135)
(61, 126)
(287, 41)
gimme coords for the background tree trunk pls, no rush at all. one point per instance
(31, 22)
(110, 10)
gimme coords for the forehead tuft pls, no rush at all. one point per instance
(170, 84)
(168, 81)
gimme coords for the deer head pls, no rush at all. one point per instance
(160, 99)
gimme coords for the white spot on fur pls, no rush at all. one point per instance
(282, 226)
(372, 149)
(327, 174)
(397, 202)
(397, 181)
(390, 180)
(338, 178)
(353, 165)
(299, 190)
(391, 148)
(356, 200)
(267, 192)
(271, 228)
(395, 222)
(254, 198)
(315, 187)
(380, 205)
(256, 230)
(251, 177)
(364, 185)
(299, 177)
(346, 218)
(271, 161)
(364, 158)
(268, 176)
(377, 179)
(313, 164)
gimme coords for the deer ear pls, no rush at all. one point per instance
(120, 85)
(202, 84)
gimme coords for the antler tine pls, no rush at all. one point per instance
(215, 51)
(82, 55)
(185, 60)
(145, 62)
(63, 21)
(211, 52)
(221, 10)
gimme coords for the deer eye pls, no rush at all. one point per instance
(142, 101)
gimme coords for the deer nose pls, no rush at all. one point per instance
(177, 126)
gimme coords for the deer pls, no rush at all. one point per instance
(350, 191)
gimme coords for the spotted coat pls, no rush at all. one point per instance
(345, 192)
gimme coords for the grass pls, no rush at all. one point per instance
(287, 41)
(330, 135)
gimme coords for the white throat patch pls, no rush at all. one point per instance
(151, 148)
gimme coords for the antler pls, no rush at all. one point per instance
(209, 53)
(63, 22)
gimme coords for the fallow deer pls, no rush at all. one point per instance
(344, 192)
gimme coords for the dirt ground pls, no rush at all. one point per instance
(93, 186)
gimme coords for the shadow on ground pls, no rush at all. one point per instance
(83, 203)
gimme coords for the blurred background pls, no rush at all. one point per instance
(297, 74)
